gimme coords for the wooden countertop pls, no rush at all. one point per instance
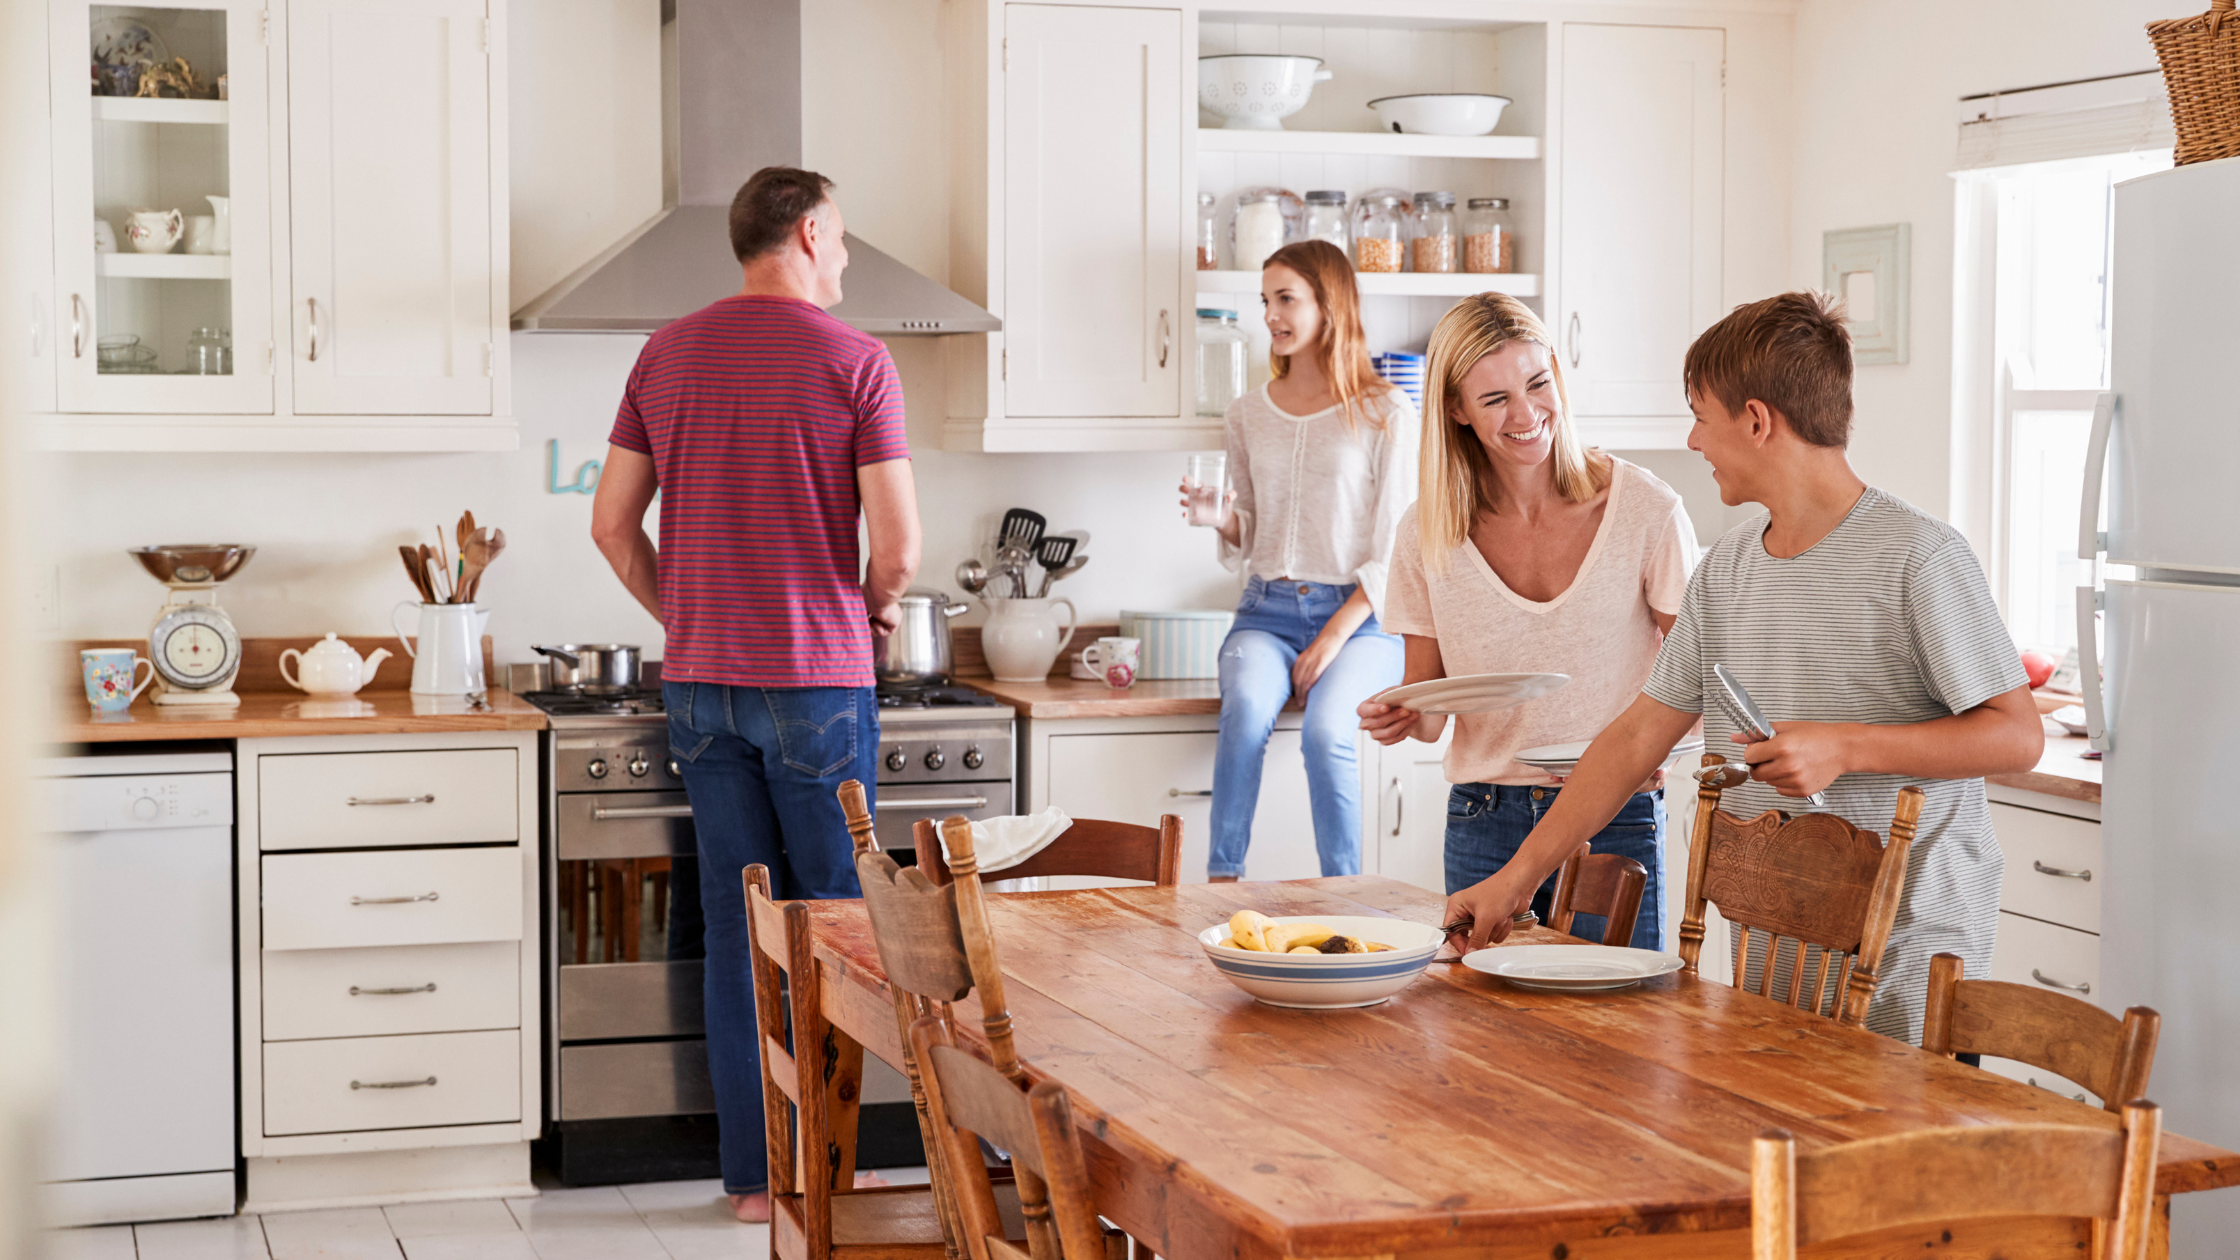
(264, 714)
(1061, 697)
(2062, 772)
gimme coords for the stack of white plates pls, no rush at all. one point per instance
(1572, 968)
(1472, 693)
(1562, 759)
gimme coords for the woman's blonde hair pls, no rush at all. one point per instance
(1342, 348)
(1457, 481)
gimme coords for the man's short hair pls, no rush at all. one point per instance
(768, 206)
(1790, 352)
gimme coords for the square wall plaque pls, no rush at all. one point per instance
(1867, 269)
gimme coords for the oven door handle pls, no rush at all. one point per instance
(933, 802)
(614, 813)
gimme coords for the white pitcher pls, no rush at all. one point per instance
(221, 233)
(448, 658)
(1023, 637)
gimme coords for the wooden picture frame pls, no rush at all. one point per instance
(1869, 269)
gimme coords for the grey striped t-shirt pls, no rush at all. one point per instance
(1886, 620)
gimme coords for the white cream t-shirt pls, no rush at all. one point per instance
(1598, 630)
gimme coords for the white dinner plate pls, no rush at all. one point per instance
(1564, 758)
(1472, 693)
(1571, 968)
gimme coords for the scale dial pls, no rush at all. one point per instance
(195, 648)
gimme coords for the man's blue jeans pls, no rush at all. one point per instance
(761, 766)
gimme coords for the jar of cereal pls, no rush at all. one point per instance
(1433, 242)
(1380, 229)
(1489, 242)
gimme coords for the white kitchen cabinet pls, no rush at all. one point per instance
(1642, 154)
(387, 956)
(1408, 820)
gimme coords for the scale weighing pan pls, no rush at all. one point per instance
(193, 564)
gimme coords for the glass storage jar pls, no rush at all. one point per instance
(1380, 230)
(1207, 249)
(1265, 220)
(1326, 218)
(1489, 242)
(1222, 351)
(210, 352)
(1433, 244)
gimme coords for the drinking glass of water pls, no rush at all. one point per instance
(1206, 484)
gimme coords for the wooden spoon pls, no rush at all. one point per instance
(474, 556)
(417, 572)
(494, 543)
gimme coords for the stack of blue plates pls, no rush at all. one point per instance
(1404, 371)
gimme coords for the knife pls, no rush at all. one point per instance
(1744, 712)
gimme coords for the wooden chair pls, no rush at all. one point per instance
(972, 1101)
(1813, 879)
(2110, 1057)
(1104, 850)
(1942, 1175)
(1607, 884)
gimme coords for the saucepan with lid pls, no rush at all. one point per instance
(596, 669)
(918, 650)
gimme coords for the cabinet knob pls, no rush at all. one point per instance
(597, 769)
(1165, 337)
(1572, 339)
(2056, 871)
(2042, 978)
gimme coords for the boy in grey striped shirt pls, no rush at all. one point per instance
(1863, 628)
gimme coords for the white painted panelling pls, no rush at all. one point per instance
(469, 895)
(308, 993)
(308, 1084)
(456, 796)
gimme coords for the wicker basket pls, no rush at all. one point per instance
(2201, 70)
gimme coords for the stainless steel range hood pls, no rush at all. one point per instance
(738, 96)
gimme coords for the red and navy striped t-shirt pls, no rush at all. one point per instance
(757, 412)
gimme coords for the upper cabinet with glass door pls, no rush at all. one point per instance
(162, 205)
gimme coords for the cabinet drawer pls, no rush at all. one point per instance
(356, 1083)
(2046, 956)
(401, 989)
(360, 800)
(2035, 844)
(400, 897)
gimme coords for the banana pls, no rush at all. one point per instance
(1376, 948)
(1246, 927)
(1281, 937)
(1302, 949)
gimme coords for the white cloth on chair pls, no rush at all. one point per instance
(1001, 843)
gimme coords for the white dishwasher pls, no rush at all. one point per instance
(143, 1118)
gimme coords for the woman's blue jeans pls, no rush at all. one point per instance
(1276, 621)
(1487, 823)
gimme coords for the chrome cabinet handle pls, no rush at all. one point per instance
(428, 798)
(2049, 982)
(391, 901)
(641, 811)
(355, 991)
(933, 802)
(1399, 805)
(391, 1084)
(313, 303)
(1184, 792)
(1572, 339)
(2043, 869)
(77, 327)
(1163, 338)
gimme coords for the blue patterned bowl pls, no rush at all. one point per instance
(1328, 981)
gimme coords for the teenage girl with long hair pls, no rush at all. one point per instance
(1527, 552)
(1323, 463)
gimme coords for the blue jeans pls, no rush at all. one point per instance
(1487, 824)
(1275, 622)
(761, 766)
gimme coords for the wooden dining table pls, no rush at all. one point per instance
(1461, 1120)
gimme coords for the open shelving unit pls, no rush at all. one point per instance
(1367, 144)
(1393, 284)
(164, 266)
(144, 109)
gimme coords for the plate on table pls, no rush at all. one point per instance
(1472, 693)
(1572, 968)
(1564, 758)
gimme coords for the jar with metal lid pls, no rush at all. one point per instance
(1223, 349)
(1380, 230)
(210, 352)
(1326, 218)
(1207, 249)
(1433, 243)
(1265, 220)
(1489, 241)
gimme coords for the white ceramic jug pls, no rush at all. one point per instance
(448, 659)
(331, 668)
(1023, 637)
(221, 232)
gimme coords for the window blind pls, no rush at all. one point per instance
(2122, 115)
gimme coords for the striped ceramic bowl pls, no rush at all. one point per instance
(1184, 644)
(1328, 981)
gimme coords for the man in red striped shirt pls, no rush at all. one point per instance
(766, 425)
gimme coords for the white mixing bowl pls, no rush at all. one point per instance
(1440, 113)
(1256, 93)
(1320, 981)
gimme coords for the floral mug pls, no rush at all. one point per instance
(155, 231)
(110, 673)
(1115, 658)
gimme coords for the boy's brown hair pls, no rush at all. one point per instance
(1790, 352)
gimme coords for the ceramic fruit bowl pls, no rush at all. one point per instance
(1256, 93)
(1328, 981)
(1440, 113)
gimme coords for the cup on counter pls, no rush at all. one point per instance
(109, 676)
(1207, 482)
(1115, 659)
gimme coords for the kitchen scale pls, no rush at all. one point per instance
(194, 647)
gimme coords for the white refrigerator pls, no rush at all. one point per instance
(2167, 710)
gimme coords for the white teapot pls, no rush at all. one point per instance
(331, 668)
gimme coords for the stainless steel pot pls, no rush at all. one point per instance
(918, 650)
(596, 669)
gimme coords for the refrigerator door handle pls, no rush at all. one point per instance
(2091, 541)
(2088, 666)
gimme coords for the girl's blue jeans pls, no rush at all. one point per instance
(1487, 823)
(1276, 620)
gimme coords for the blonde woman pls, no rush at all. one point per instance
(1322, 459)
(1526, 552)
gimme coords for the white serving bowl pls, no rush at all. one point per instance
(1256, 93)
(1328, 981)
(1440, 113)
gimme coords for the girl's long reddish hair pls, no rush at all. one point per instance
(1341, 348)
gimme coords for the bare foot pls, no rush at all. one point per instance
(871, 1181)
(751, 1209)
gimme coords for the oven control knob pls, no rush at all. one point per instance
(934, 759)
(973, 760)
(675, 771)
(638, 766)
(597, 769)
(896, 761)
